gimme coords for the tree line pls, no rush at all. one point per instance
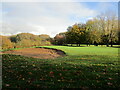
(101, 30)
(24, 40)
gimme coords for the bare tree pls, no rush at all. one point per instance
(109, 27)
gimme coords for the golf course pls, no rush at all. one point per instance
(61, 44)
(81, 67)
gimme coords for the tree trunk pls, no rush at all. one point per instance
(107, 45)
(111, 43)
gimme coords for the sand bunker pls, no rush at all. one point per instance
(41, 53)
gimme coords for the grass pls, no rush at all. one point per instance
(87, 50)
(83, 67)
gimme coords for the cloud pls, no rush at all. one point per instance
(42, 18)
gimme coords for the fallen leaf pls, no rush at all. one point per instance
(51, 72)
(7, 85)
(109, 83)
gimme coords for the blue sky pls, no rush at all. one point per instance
(49, 17)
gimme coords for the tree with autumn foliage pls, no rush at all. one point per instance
(76, 34)
(60, 39)
(27, 40)
(45, 39)
(94, 31)
(5, 42)
(103, 29)
(24, 40)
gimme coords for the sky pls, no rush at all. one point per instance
(48, 17)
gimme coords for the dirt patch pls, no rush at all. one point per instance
(41, 53)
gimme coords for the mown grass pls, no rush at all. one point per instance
(83, 67)
(109, 51)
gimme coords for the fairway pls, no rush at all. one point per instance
(87, 50)
(83, 67)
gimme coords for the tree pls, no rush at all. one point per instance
(6, 43)
(76, 34)
(60, 39)
(45, 39)
(24, 40)
(103, 29)
(70, 36)
(13, 38)
(94, 31)
(27, 40)
(109, 25)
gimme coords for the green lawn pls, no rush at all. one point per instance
(83, 67)
(87, 50)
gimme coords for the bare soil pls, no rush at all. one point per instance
(41, 53)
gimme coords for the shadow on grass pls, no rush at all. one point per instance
(116, 46)
(23, 72)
